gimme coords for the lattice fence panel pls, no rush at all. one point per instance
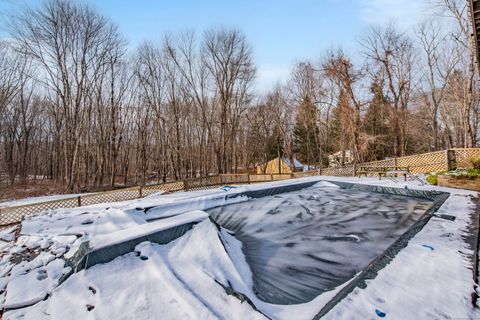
(15, 214)
(167, 187)
(435, 161)
(260, 177)
(423, 163)
(234, 178)
(463, 156)
(379, 163)
(306, 174)
(345, 171)
(111, 196)
(300, 174)
(282, 176)
(328, 171)
(203, 183)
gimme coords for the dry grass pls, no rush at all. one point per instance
(46, 188)
(25, 190)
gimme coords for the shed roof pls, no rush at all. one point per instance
(296, 163)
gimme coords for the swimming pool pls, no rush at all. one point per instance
(302, 243)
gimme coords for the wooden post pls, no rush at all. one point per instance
(79, 201)
(221, 180)
(451, 161)
(271, 177)
(140, 194)
(447, 163)
(354, 169)
(248, 178)
(185, 185)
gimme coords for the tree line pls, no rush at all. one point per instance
(78, 107)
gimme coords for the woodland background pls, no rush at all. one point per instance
(81, 112)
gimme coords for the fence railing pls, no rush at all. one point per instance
(421, 163)
(14, 214)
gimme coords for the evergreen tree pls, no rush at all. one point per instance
(306, 133)
(341, 125)
(376, 125)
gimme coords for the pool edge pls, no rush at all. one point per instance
(380, 262)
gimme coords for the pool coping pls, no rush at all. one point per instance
(370, 272)
(86, 257)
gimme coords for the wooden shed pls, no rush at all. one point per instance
(277, 166)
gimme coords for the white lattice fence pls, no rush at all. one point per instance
(283, 176)
(463, 156)
(15, 214)
(234, 178)
(428, 162)
(167, 187)
(328, 172)
(306, 174)
(345, 171)
(423, 163)
(379, 163)
(111, 196)
(260, 177)
(203, 183)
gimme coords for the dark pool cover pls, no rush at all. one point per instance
(302, 243)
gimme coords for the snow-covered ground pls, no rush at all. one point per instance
(204, 274)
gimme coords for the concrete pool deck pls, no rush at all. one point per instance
(433, 277)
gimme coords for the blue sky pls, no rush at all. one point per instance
(280, 32)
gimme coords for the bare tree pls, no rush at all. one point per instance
(11, 69)
(459, 10)
(440, 62)
(392, 53)
(78, 110)
(339, 68)
(71, 42)
(227, 57)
